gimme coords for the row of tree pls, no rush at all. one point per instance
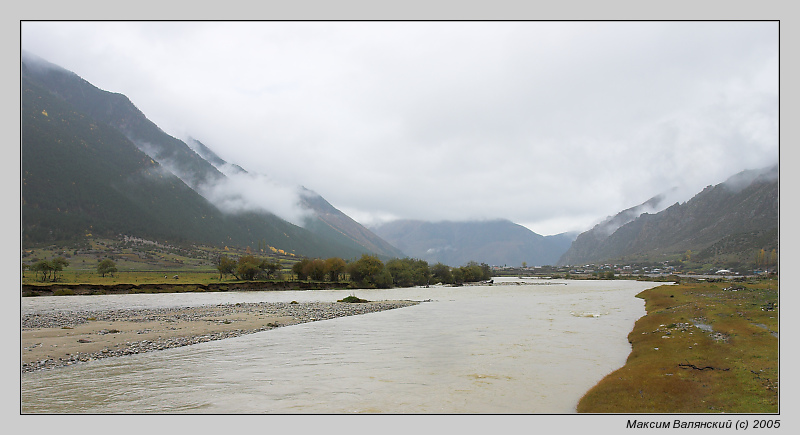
(248, 268)
(367, 272)
(766, 260)
(47, 269)
(50, 269)
(370, 272)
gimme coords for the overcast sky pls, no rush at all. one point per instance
(552, 125)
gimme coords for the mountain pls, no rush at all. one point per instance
(737, 217)
(93, 163)
(495, 242)
(211, 157)
(588, 242)
(325, 220)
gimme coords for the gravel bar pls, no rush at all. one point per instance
(91, 335)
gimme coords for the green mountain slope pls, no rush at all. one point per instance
(738, 216)
(329, 222)
(81, 175)
(590, 241)
(117, 111)
(324, 220)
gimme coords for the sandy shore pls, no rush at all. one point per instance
(64, 338)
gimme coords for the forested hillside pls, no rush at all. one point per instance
(731, 221)
(82, 174)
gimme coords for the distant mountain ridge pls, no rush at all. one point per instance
(588, 242)
(743, 212)
(64, 115)
(92, 163)
(495, 242)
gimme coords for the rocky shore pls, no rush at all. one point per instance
(57, 339)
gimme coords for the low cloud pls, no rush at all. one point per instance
(552, 125)
(245, 192)
(238, 191)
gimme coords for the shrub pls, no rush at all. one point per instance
(353, 300)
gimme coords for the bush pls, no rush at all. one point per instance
(353, 300)
(369, 272)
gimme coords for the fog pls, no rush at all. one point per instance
(552, 125)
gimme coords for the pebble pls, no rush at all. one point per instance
(299, 312)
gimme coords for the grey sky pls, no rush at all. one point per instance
(553, 125)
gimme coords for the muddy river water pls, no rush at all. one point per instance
(518, 346)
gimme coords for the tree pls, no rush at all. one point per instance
(106, 266)
(315, 269)
(226, 266)
(58, 264)
(441, 273)
(761, 257)
(249, 268)
(408, 272)
(458, 275)
(300, 269)
(369, 272)
(472, 272)
(270, 268)
(42, 267)
(335, 266)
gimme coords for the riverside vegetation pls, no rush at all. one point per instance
(703, 347)
(155, 267)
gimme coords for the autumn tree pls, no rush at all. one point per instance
(300, 269)
(248, 267)
(315, 269)
(226, 266)
(759, 257)
(335, 267)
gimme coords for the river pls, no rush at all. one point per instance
(505, 348)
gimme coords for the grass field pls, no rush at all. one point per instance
(137, 263)
(132, 277)
(701, 348)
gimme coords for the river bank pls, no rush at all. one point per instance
(701, 348)
(32, 290)
(57, 339)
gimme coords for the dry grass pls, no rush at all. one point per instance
(130, 277)
(705, 347)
